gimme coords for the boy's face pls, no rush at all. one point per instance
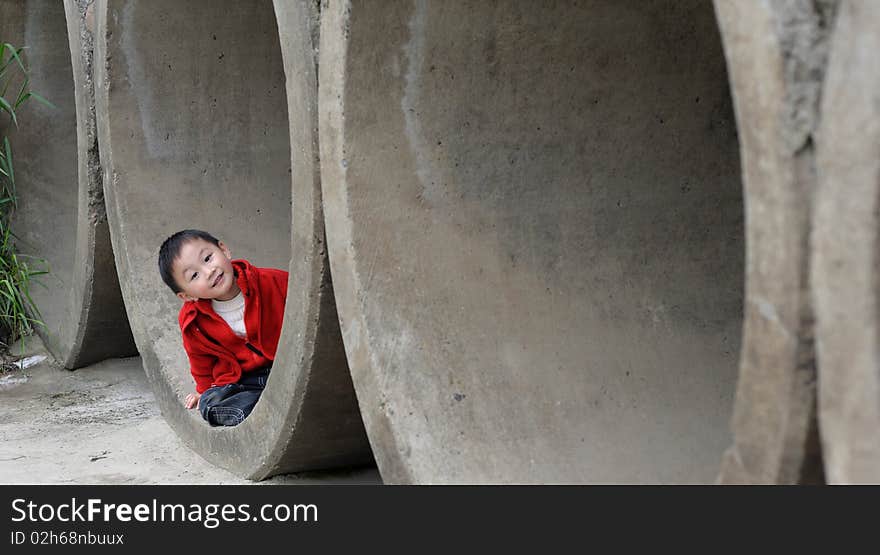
(204, 271)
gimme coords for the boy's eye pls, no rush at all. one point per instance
(192, 277)
(207, 258)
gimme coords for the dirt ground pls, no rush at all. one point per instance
(100, 425)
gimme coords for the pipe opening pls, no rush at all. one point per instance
(203, 148)
(194, 125)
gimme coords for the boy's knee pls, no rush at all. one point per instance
(227, 405)
(210, 398)
(225, 416)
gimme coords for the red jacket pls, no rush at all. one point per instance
(216, 355)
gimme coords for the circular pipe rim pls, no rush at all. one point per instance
(289, 429)
(775, 100)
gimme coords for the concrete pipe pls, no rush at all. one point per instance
(60, 216)
(535, 224)
(845, 249)
(193, 124)
(777, 53)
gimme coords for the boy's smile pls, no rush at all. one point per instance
(204, 271)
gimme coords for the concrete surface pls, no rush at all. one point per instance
(845, 247)
(777, 54)
(194, 133)
(565, 246)
(61, 216)
(535, 226)
(101, 425)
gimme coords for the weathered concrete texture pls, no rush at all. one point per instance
(845, 249)
(193, 128)
(60, 215)
(102, 425)
(535, 227)
(776, 53)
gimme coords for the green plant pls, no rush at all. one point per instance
(18, 312)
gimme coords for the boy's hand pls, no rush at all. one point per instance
(192, 400)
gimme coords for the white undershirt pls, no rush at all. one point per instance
(233, 312)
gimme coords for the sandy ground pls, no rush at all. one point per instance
(100, 425)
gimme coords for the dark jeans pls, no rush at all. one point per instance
(230, 404)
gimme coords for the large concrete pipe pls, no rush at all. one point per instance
(60, 216)
(845, 249)
(535, 223)
(776, 52)
(194, 131)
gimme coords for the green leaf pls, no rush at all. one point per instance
(5, 85)
(5, 106)
(9, 168)
(15, 54)
(34, 309)
(42, 100)
(6, 294)
(22, 92)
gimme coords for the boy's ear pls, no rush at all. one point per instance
(225, 249)
(184, 297)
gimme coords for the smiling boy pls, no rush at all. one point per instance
(230, 322)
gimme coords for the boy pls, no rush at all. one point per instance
(230, 321)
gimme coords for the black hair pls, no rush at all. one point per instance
(170, 250)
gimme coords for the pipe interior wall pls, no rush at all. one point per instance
(535, 223)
